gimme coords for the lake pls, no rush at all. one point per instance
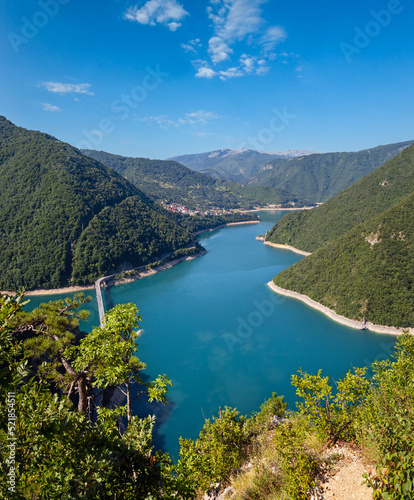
(225, 339)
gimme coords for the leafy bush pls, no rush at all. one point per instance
(335, 416)
(220, 448)
(388, 420)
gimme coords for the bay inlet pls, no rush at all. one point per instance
(224, 338)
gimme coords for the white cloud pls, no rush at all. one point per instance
(200, 117)
(192, 45)
(166, 12)
(248, 62)
(262, 70)
(231, 73)
(205, 72)
(67, 88)
(161, 120)
(50, 107)
(233, 21)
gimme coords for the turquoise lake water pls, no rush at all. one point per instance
(225, 339)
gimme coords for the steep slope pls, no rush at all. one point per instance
(236, 165)
(319, 177)
(366, 274)
(53, 196)
(170, 181)
(368, 197)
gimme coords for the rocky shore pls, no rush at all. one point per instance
(283, 247)
(359, 325)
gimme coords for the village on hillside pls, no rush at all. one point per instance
(174, 207)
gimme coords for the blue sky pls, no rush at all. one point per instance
(160, 78)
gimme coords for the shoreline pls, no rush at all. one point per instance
(359, 325)
(120, 281)
(225, 225)
(150, 272)
(53, 291)
(272, 208)
(284, 247)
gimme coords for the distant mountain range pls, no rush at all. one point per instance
(169, 181)
(322, 176)
(306, 174)
(237, 165)
(363, 243)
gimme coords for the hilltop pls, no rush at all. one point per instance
(169, 181)
(67, 219)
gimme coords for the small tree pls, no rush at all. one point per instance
(110, 353)
(54, 451)
(81, 366)
(332, 414)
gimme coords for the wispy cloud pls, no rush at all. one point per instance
(50, 107)
(231, 73)
(233, 20)
(247, 65)
(165, 12)
(272, 36)
(200, 117)
(67, 88)
(192, 45)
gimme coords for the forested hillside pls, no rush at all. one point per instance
(52, 196)
(172, 182)
(366, 274)
(318, 177)
(368, 197)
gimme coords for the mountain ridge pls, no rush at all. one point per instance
(322, 176)
(225, 163)
(369, 196)
(171, 182)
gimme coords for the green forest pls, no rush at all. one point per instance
(375, 193)
(171, 182)
(362, 239)
(319, 177)
(366, 274)
(62, 437)
(66, 219)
